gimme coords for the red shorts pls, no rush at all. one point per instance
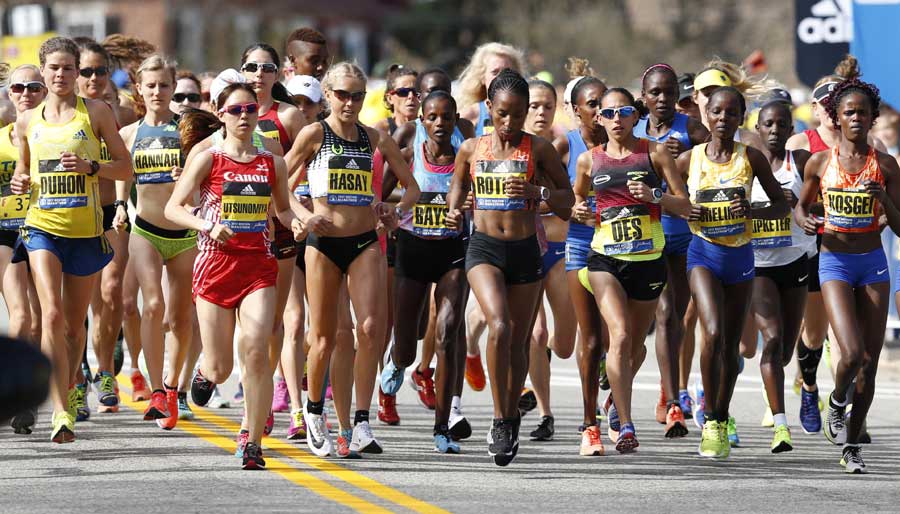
(225, 279)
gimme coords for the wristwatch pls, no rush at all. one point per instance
(657, 195)
(95, 168)
(120, 203)
(545, 194)
(399, 212)
(207, 226)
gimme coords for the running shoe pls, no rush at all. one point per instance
(158, 407)
(710, 440)
(253, 457)
(782, 440)
(169, 422)
(363, 440)
(23, 423)
(184, 410)
(810, 416)
(63, 428)
(297, 428)
(217, 401)
(202, 389)
(627, 441)
(344, 447)
(835, 423)
(612, 419)
(604, 378)
(661, 406)
(105, 385)
(280, 398)
(72, 400)
(387, 408)
(591, 444)
(241, 443)
(731, 428)
(798, 382)
(851, 460)
(725, 448)
(686, 403)
(139, 390)
(118, 354)
(700, 408)
(544, 430)
(475, 372)
(527, 402)
(238, 398)
(270, 423)
(423, 383)
(391, 378)
(501, 442)
(304, 382)
(82, 411)
(444, 443)
(675, 424)
(459, 426)
(318, 439)
(329, 395)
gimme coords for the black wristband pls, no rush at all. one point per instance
(121, 203)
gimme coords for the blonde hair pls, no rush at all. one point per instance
(156, 62)
(15, 70)
(342, 69)
(750, 87)
(473, 90)
(578, 67)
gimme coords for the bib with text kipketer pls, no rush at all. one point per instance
(429, 214)
(350, 180)
(771, 233)
(625, 230)
(850, 208)
(154, 158)
(717, 219)
(245, 202)
(61, 189)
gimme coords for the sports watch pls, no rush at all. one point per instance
(657, 194)
(545, 194)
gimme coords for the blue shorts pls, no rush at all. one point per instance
(731, 265)
(80, 256)
(856, 269)
(578, 246)
(678, 235)
(556, 251)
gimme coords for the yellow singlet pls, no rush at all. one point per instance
(12, 207)
(713, 186)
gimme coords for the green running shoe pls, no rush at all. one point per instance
(733, 439)
(710, 439)
(782, 440)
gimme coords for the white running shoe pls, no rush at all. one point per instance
(318, 439)
(363, 440)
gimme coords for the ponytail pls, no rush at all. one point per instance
(195, 126)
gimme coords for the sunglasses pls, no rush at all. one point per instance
(403, 92)
(266, 67)
(237, 109)
(20, 87)
(100, 71)
(190, 97)
(624, 112)
(346, 96)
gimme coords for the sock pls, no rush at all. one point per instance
(360, 416)
(315, 407)
(133, 370)
(455, 403)
(780, 419)
(670, 403)
(835, 403)
(681, 392)
(808, 360)
(167, 387)
(440, 428)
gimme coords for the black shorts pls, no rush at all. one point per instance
(427, 260)
(342, 251)
(300, 260)
(109, 215)
(283, 245)
(391, 248)
(812, 266)
(520, 261)
(787, 276)
(10, 239)
(641, 280)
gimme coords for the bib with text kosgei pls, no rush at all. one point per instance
(350, 180)
(625, 229)
(245, 202)
(850, 208)
(490, 188)
(61, 189)
(771, 233)
(717, 220)
(154, 158)
(429, 214)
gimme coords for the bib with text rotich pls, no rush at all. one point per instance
(350, 180)
(490, 185)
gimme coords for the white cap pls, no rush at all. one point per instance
(223, 80)
(305, 85)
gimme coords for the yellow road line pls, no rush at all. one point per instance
(282, 468)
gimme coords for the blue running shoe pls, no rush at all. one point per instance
(699, 412)
(810, 417)
(686, 403)
(443, 443)
(391, 378)
(731, 430)
(612, 420)
(238, 396)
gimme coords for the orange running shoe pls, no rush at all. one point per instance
(661, 405)
(158, 407)
(139, 390)
(675, 425)
(172, 404)
(387, 408)
(591, 445)
(475, 372)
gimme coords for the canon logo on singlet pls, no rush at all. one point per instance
(231, 176)
(831, 22)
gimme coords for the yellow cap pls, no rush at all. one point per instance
(711, 77)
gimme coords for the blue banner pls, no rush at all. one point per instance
(875, 44)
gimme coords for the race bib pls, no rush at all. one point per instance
(302, 189)
(771, 233)
(490, 188)
(269, 129)
(717, 220)
(13, 209)
(850, 208)
(625, 230)
(60, 189)
(429, 214)
(154, 158)
(245, 205)
(350, 180)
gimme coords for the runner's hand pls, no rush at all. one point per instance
(875, 189)
(20, 183)
(220, 233)
(517, 187)
(697, 212)
(299, 229)
(176, 172)
(72, 163)
(811, 225)
(319, 225)
(740, 207)
(453, 219)
(640, 191)
(675, 147)
(581, 212)
(469, 203)
(120, 221)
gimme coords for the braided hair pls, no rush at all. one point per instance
(733, 91)
(852, 85)
(509, 80)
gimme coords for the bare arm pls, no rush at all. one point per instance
(676, 199)
(195, 172)
(778, 207)
(460, 185)
(810, 192)
(104, 124)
